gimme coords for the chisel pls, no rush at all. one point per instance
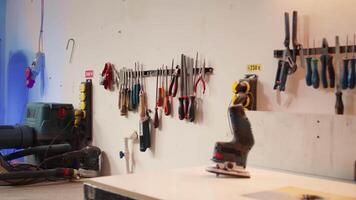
(315, 73)
(339, 106)
(345, 70)
(155, 120)
(351, 78)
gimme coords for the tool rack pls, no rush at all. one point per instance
(149, 73)
(314, 51)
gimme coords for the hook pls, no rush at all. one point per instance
(71, 53)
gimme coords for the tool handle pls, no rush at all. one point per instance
(294, 35)
(339, 106)
(284, 75)
(173, 87)
(134, 97)
(345, 74)
(351, 78)
(278, 75)
(191, 110)
(315, 73)
(160, 97)
(141, 107)
(331, 72)
(130, 98)
(167, 105)
(286, 28)
(186, 106)
(138, 89)
(119, 103)
(145, 134)
(123, 110)
(181, 108)
(308, 75)
(324, 62)
(155, 119)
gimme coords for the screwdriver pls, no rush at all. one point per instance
(315, 74)
(351, 78)
(142, 97)
(167, 104)
(345, 70)
(174, 81)
(131, 93)
(144, 129)
(155, 119)
(308, 75)
(160, 89)
(124, 94)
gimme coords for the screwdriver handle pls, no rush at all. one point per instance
(119, 100)
(167, 105)
(160, 97)
(308, 75)
(278, 75)
(331, 72)
(123, 102)
(181, 108)
(155, 119)
(191, 110)
(345, 74)
(141, 107)
(339, 106)
(130, 98)
(351, 78)
(315, 73)
(134, 97)
(324, 62)
(145, 134)
(186, 107)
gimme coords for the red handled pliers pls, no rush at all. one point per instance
(201, 79)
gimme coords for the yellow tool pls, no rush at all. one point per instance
(241, 93)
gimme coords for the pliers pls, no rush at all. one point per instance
(173, 86)
(201, 79)
(327, 66)
(288, 64)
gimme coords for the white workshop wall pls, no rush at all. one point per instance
(229, 33)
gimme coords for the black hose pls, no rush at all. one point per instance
(53, 149)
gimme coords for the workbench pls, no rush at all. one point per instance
(196, 183)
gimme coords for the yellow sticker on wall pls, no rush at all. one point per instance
(254, 67)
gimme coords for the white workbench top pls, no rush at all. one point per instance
(196, 183)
